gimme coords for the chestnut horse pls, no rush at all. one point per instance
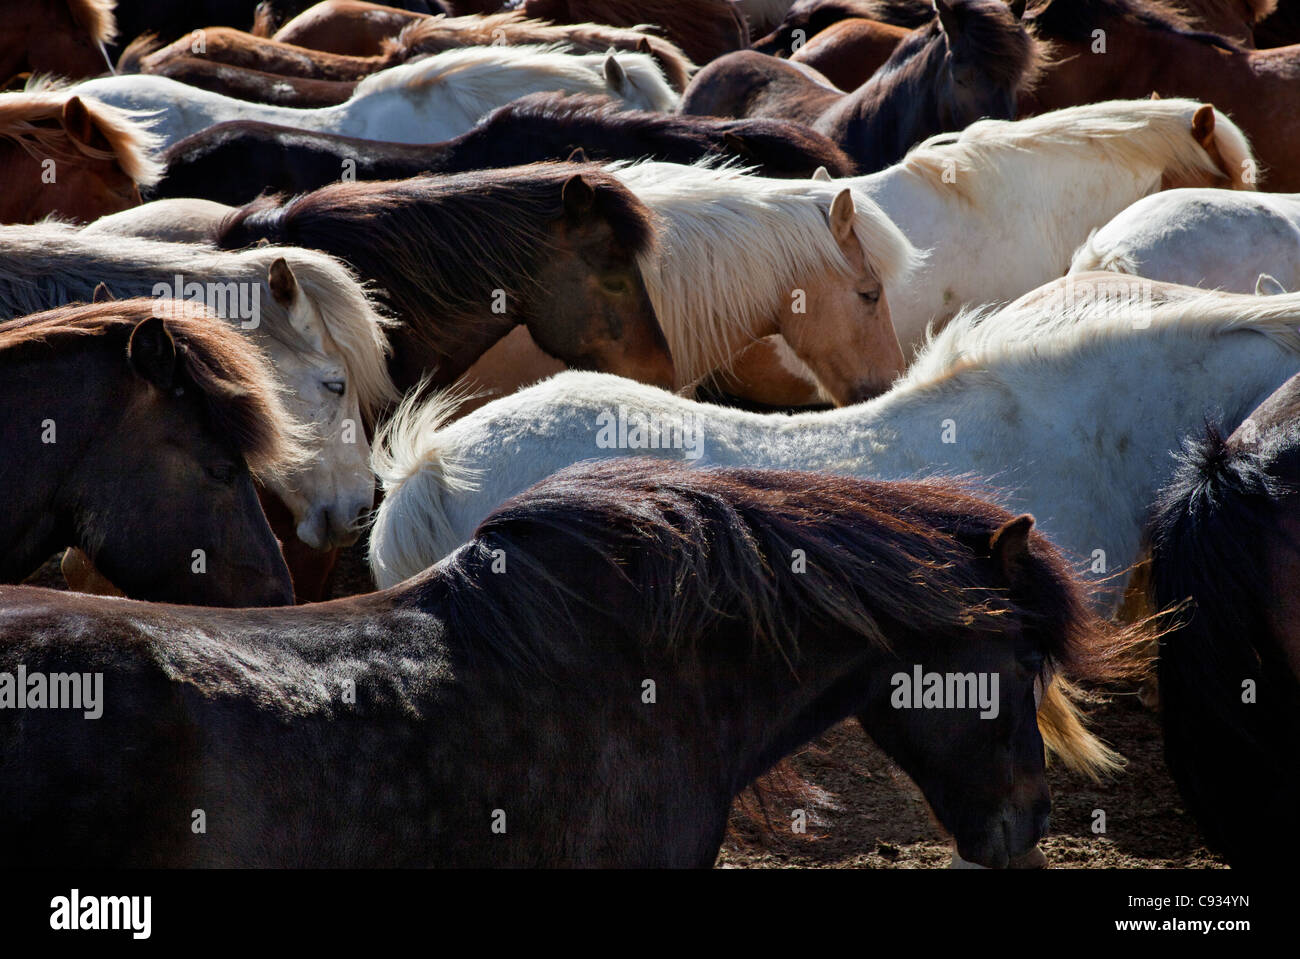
(603, 588)
(972, 61)
(464, 259)
(849, 52)
(130, 431)
(1226, 536)
(352, 28)
(74, 157)
(234, 162)
(65, 38)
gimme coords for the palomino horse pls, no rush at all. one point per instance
(130, 431)
(973, 60)
(235, 162)
(65, 38)
(73, 157)
(421, 38)
(433, 99)
(1210, 238)
(311, 316)
(1150, 48)
(461, 260)
(702, 29)
(743, 257)
(614, 572)
(1224, 536)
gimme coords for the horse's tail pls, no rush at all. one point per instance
(1231, 706)
(132, 57)
(1090, 257)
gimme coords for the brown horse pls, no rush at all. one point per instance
(1146, 46)
(807, 18)
(1233, 19)
(425, 36)
(703, 29)
(1226, 536)
(60, 37)
(464, 259)
(350, 27)
(131, 430)
(80, 159)
(635, 627)
(257, 86)
(849, 52)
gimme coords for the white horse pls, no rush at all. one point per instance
(321, 331)
(1207, 238)
(424, 101)
(1071, 412)
(741, 257)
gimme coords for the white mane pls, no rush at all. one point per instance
(734, 246)
(481, 73)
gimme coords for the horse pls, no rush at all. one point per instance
(1233, 20)
(1149, 47)
(256, 86)
(72, 157)
(763, 16)
(1210, 238)
(848, 53)
(1072, 408)
(422, 37)
(233, 162)
(464, 259)
(323, 333)
(620, 577)
(805, 19)
(433, 99)
(1224, 559)
(62, 37)
(131, 431)
(347, 27)
(702, 29)
(741, 257)
(973, 60)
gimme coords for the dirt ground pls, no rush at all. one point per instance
(870, 815)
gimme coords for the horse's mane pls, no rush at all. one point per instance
(1155, 133)
(773, 233)
(442, 245)
(96, 18)
(133, 146)
(1076, 20)
(703, 550)
(985, 337)
(55, 263)
(437, 33)
(242, 396)
(480, 73)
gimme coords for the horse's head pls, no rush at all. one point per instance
(598, 315)
(962, 718)
(166, 505)
(803, 21)
(990, 61)
(844, 332)
(1233, 166)
(63, 37)
(68, 166)
(333, 494)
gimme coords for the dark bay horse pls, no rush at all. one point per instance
(590, 681)
(257, 86)
(972, 61)
(79, 159)
(64, 38)
(464, 259)
(1226, 535)
(129, 432)
(807, 18)
(234, 162)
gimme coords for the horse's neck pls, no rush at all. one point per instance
(421, 349)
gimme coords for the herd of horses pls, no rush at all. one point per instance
(686, 371)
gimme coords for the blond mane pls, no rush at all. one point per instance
(96, 18)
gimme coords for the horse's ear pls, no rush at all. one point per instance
(1009, 546)
(615, 77)
(578, 196)
(579, 155)
(1155, 95)
(102, 294)
(1017, 8)
(81, 126)
(643, 46)
(735, 144)
(261, 242)
(823, 174)
(152, 353)
(1268, 286)
(284, 285)
(1203, 125)
(948, 19)
(843, 214)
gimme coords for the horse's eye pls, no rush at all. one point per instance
(224, 474)
(871, 296)
(615, 284)
(335, 386)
